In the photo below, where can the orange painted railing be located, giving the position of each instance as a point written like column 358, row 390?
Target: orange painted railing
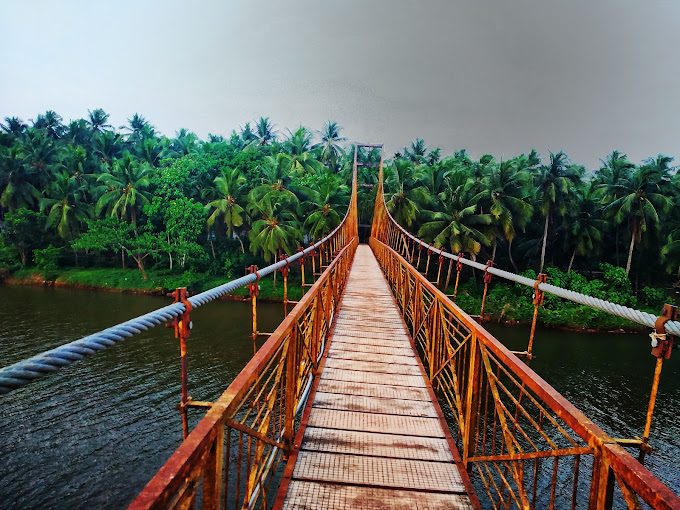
column 229, row 460
column 524, row 444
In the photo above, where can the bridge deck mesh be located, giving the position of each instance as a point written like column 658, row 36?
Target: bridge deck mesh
column 373, row 439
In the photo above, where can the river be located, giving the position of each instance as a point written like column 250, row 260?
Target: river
column 93, row 434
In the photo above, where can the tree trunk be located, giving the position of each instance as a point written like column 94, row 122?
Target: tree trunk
column 243, row 250
column 510, row 255
column 212, row 247
column 545, row 239
column 617, row 246
column 140, row 265
column 169, row 252
column 22, row 254
column 630, row 252
column 133, row 217
column 122, row 257
column 75, row 253
column 571, row 261
column 493, row 253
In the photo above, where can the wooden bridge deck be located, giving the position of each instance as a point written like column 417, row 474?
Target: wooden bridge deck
column 373, row 437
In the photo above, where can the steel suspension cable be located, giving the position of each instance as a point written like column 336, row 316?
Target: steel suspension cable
column 25, row 371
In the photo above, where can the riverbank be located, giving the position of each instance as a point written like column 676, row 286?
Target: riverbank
column 156, row 284
column 518, row 311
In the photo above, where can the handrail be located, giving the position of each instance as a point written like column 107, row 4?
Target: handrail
column 283, row 349
column 26, row 371
column 507, row 415
column 254, row 419
column 638, row 316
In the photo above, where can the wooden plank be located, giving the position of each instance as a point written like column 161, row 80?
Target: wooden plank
column 373, row 438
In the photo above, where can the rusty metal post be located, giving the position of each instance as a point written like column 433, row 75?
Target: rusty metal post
column 313, row 254
column 662, row 345
column 420, row 249
column 182, row 328
column 471, row 399
column 254, row 289
column 302, row 267
column 290, row 393
column 427, row 265
column 439, row 270
column 538, row 298
column 487, row 279
column 459, row 268
column 448, row 276
column 284, row 272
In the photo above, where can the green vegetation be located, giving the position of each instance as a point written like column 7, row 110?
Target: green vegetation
column 513, row 302
column 82, row 201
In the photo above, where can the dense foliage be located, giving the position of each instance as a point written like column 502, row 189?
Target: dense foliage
column 87, row 191
column 525, row 213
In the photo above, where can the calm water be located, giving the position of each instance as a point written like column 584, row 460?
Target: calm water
column 92, row 435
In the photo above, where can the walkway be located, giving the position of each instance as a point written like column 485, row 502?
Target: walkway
column 374, row 438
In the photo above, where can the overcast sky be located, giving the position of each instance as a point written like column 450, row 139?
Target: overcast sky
column 585, row 76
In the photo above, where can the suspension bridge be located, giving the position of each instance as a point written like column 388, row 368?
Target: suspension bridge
column 378, row 391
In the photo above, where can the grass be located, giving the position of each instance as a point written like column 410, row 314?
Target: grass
column 157, row 281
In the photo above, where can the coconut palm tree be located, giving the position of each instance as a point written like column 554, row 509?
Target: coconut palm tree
column 14, row 126
column 553, row 184
column 276, row 231
column 125, row 188
column 459, row 226
column 615, row 170
column 505, row 196
column 404, row 198
column 228, row 193
column 265, row 130
column 330, row 140
column 641, row 197
column 324, row 205
column 417, row 152
column 585, row 226
column 97, row 120
column 65, row 207
column 50, row 121
column 17, row 180
column 298, row 158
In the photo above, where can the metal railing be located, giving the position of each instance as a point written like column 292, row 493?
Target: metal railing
column 524, row 443
column 230, row 459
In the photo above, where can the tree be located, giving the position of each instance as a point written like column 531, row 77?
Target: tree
column 403, row 196
column 585, row 226
column 322, row 204
column 229, row 192
column 24, row 229
column 184, row 220
column 459, row 227
column 417, row 152
column 640, row 199
column 298, row 158
column 14, row 126
column 276, row 231
column 97, row 120
column 504, row 192
column 111, row 234
column 17, row 189
column 266, row 132
column 65, row 207
column 552, row 188
column 330, row 140
column 125, row 188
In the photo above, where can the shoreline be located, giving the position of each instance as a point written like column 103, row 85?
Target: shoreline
column 16, row 282
column 12, row 281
